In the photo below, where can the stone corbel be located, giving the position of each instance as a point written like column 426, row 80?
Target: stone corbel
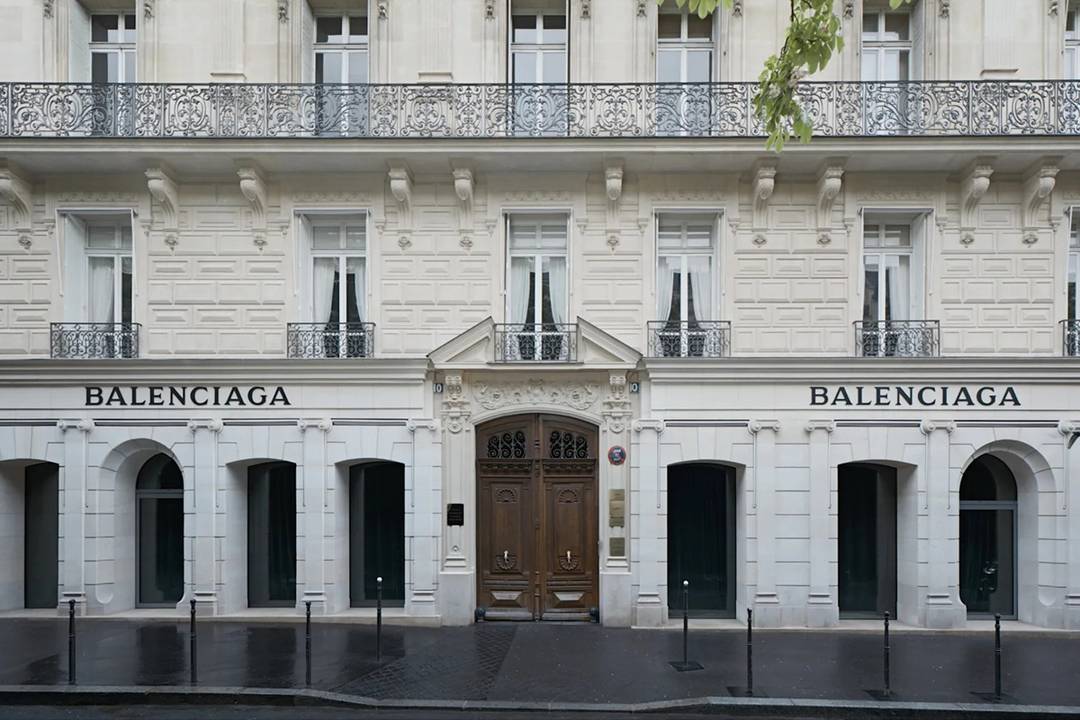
column 657, row 426
column 943, row 8
column 489, row 9
column 148, row 9
column 384, row 9
column 464, row 188
column 456, row 408
column 163, row 189
column 641, row 7
column 401, row 188
column 828, row 426
column 283, row 11
column 613, row 186
column 85, row 425
column 764, row 184
column 324, row 424
column 828, row 189
column 928, row 426
column 586, row 9
column 616, row 406
column 253, row 187
column 1052, row 7
column 48, row 7
column 214, row 425
column 972, row 190
column 1038, row 187
column 414, row 424
column 18, row 192
column 849, row 8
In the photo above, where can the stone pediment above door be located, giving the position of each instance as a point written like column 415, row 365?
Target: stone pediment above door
column 478, row 347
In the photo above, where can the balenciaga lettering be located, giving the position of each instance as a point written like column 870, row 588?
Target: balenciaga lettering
column 913, row 396
column 184, row 395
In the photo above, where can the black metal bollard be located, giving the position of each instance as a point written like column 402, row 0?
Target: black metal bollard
column 378, row 619
column 71, row 642
column 749, row 651
column 193, row 645
column 888, row 688
column 307, row 642
column 997, row 657
column 685, row 619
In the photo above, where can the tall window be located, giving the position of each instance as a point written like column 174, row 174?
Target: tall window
column 339, row 282
column 341, row 49
column 537, row 297
column 684, row 46
column 112, row 48
column 109, row 273
column 1072, row 44
column 886, row 46
column 686, row 248
column 1074, row 263
column 538, row 57
column 887, row 261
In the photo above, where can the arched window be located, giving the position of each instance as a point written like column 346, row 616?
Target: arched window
column 988, row 538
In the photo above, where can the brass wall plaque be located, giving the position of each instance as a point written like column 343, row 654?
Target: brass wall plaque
column 617, row 547
column 616, row 508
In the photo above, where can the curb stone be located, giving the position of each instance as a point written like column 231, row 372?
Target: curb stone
column 732, row 706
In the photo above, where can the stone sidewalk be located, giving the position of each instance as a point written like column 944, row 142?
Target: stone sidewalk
column 543, row 663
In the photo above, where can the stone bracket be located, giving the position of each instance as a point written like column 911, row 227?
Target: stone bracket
column 974, row 186
column 253, row 187
column 162, row 187
column 1038, row 188
column 401, row 186
column 18, row 192
column 465, row 188
column 829, row 183
column 764, row 183
column 828, row 426
column 613, row 187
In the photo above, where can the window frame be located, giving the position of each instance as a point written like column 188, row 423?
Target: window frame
column 342, row 49
column 342, row 255
column 881, row 253
column 538, row 256
column 880, row 47
column 104, row 47
column 1072, row 43
column 684, row 44
column 117, row 253
column 1072, row 265
column 539, row 48
column 712, row 254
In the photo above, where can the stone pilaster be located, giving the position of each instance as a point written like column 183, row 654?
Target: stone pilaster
column 201, row 511
column 941, row 606
column 822, row 609
column 766, row 601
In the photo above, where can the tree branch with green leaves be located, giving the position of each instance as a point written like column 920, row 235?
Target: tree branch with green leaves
column 814, row 34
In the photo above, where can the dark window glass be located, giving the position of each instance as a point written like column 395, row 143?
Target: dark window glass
column 103, row 28
column 358, row 28
column 328, row 29
column 524, row 28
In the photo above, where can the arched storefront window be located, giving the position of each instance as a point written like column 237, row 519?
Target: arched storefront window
column 701, row 538
column 988, row 538
column 159, row 502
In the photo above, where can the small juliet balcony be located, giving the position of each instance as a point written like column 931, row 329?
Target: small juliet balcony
column 542, row 342
column 693, row 338
column 330, row 340
column 1070, row 337
column 898, row 338
column 94, row 341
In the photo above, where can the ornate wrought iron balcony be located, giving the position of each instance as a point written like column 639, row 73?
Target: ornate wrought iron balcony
column 898, row 338
column 854, row 109
column 94, row 341
column 549, row 342
column 331, row 340
column 1070, row 337
column 698, row 338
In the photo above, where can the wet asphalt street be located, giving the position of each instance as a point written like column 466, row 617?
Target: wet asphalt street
column 542, row 663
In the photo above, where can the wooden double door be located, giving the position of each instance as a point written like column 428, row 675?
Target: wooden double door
column 537, row 512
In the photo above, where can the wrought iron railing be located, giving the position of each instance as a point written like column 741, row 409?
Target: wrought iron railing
column 838, row 109
column 695, row 338
column 94, row 341
column 1070, row 337
column 331, row 340
column 549, row 342
column 898, row 338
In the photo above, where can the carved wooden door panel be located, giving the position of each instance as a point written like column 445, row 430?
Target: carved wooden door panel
column 507, row 515
column 537, row 513
column 568, row 520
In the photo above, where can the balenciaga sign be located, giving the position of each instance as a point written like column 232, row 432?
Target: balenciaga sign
column 914, row 396
column 185, row 395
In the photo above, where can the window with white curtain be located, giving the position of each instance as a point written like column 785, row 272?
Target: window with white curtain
column 1072, row 43
column 888, row 255
column 339, row 282
column 686, row 249
column 112, row 47
column 108, row 273
column 1074, row 264
column 537, row 292
column 886, row 46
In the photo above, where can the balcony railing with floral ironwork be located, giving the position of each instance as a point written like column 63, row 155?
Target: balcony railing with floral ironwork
column 331, row 340
column 94, row 341
column 549, row 342
column 898, row 338
column 693, row 338
column 838, row 109
column 1070, row 337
